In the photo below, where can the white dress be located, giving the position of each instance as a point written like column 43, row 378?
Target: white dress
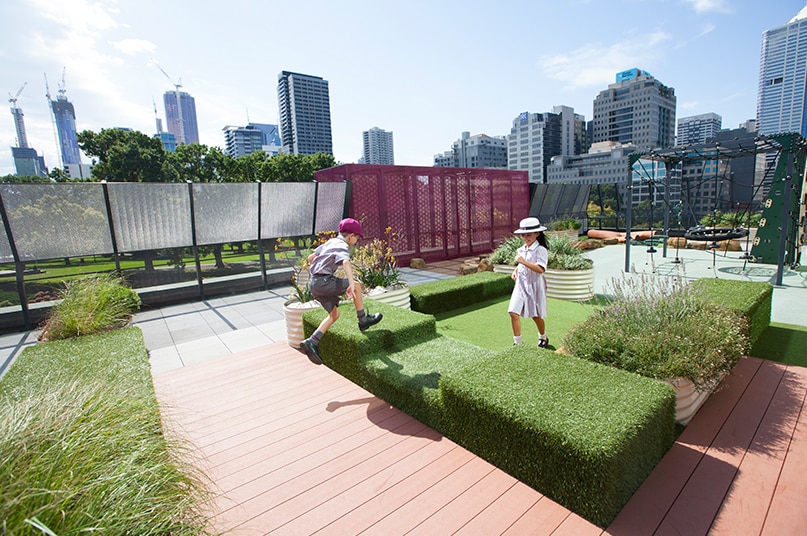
column 529, row 295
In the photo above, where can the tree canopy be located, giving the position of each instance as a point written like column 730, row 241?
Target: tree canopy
column 131, row 156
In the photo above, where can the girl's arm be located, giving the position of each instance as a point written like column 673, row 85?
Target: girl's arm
column 537, row 268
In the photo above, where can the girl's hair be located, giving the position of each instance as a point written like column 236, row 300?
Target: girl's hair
column 542, row 240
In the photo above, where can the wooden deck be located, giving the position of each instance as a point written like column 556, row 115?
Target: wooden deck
column 296, row 449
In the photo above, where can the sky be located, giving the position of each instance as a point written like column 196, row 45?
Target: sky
column 427, row 70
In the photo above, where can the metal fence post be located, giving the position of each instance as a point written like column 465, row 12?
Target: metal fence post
column 265, row 283
column 111, row 223
column 196, row 260
column 19, row 266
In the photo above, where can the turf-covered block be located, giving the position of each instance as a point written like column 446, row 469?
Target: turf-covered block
column 409, row 378
column 343, row 344
column 457, row 292
column 584, row 434
column 752, row 299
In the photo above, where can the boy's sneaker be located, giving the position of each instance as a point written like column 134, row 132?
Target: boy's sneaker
column 311, row 349
column 369, row 320
column 543, row 343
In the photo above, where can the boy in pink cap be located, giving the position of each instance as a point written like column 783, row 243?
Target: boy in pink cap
column 327, row 288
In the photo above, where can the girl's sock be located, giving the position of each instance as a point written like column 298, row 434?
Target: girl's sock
column 516, row 340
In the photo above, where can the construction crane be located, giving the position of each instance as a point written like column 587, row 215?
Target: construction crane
column 13, row 99
column 177, row 85
column 19, row 123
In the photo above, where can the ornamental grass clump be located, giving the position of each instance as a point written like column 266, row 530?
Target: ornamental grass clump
column 90, row 305
column 374, row 263
column 506, row 252
column 565, row 255
column 662, row 328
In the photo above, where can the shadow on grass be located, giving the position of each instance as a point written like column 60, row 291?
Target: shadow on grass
column 784, row 343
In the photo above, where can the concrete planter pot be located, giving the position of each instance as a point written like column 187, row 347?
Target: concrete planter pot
column 398, row 297
column 293, row 312
column 574, row 285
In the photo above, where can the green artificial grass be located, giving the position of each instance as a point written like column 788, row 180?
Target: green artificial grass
column 785, row 343
column 487, row 324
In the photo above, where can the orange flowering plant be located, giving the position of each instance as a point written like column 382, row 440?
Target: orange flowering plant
column 375, row 264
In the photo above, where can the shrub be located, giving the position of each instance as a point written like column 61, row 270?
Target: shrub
column 506, row 252
column 375, row 264
column 663, row 329
column 752, row 300
column 565, row 255
column 90, row 305
column 564, row 224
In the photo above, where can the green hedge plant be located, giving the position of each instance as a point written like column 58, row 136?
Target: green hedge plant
column 664, row 329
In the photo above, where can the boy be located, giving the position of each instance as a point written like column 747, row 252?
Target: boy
column 327, row 288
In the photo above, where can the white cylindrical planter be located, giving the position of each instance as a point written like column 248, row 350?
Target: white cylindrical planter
column 294, row 321
column 503, row 268
column 575, row 285
column 688, row 400
column 398, row 297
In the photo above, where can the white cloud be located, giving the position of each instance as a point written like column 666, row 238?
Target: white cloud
column 595, row 65
column 707, row 6
column 132, row 47
column 78, row 15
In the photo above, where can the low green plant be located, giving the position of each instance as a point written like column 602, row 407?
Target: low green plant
column 83, row 448
column 731, row 219
column 564, row 224
column 89, row 305
column 506, row 252
column 300, row 293
column 375, row 264
column 662, row 328
column 565, row 255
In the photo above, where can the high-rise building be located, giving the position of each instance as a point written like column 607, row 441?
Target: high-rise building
column 477, row 151
column 377, row 145
column 636, row 109
column 305, row 113
column 783, row 78
column 180, row 116
column 533, row 140
column 26, row 160
column 168, row 140
column 698, row 129
column 240, row 141
column 65, row 116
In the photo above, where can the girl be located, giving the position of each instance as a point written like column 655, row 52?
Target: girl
column 529, row 295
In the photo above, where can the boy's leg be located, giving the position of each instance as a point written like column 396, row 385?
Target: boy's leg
column 365, row 320
column 310, row 346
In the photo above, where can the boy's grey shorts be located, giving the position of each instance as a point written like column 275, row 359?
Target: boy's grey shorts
column 327, row 289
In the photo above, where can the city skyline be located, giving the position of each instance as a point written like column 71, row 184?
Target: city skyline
column 424, row 85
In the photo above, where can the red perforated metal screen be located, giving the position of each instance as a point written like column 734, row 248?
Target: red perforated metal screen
column 440, row 213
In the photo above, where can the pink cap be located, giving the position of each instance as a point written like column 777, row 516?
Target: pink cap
column 350, row 226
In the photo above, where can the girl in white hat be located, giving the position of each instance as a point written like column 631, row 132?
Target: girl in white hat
column 529, row 295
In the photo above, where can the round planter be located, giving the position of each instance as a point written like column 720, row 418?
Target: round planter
column 294, row 321
column 688, row 400
column 398, row 297
column 575, row 285
column 503, row 268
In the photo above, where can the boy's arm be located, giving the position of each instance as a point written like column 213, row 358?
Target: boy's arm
column 311, row 258
column 351, row 283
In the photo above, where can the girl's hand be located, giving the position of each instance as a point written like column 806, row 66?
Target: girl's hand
column 519, row 259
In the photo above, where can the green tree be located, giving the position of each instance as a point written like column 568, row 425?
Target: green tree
column 23, row 179
column 124, row 155
column 196, row 162
column 59, row 175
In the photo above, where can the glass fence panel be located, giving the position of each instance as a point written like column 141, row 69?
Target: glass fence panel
column 150, row 216
column 330, row 205
column 5, row 247
column 225, row 212
column 57, row 220
column 287, row 209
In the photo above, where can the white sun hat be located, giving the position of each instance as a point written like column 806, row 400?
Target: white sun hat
column 529, row 225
